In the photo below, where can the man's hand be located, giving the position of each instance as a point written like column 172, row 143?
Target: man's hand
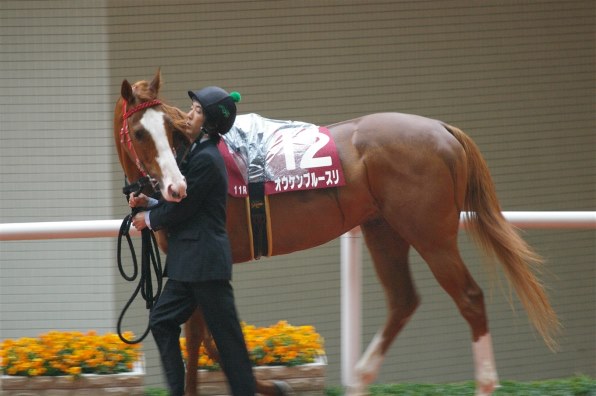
column 139, row 201
column 138, row 221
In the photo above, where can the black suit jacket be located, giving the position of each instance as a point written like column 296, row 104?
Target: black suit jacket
column 198, row 244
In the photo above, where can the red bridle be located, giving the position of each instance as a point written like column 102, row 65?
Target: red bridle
column 125, row 138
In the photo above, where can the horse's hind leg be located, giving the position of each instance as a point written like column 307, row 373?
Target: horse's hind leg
column 390, row 256
column 431, row 227
column 443, row 258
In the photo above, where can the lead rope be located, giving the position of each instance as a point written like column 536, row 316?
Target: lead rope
column 149, row 258
column 149, row 249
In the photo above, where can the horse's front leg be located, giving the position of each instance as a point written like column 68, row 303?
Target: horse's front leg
column 195, row 333
column 162, row 240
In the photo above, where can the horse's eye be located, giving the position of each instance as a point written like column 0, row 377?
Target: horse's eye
column 140, row 134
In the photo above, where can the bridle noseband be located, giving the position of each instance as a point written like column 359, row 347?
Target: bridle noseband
column 125, row 138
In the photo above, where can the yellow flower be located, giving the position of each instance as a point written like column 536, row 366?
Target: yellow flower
column 67, row 353
column 74, row 371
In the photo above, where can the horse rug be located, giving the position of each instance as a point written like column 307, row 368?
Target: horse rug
column 284, row 155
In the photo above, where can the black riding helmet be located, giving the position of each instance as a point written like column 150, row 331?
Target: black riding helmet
column 219, row 108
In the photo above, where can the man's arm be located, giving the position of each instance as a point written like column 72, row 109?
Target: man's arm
column 200, row 178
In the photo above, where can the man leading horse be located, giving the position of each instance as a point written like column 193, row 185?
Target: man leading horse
column 199, row 262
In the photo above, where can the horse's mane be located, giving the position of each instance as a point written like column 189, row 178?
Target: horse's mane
column 175, row 116
column 143, row 93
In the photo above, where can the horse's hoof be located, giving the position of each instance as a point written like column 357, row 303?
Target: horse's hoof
column 283, row 388
column 486, row 389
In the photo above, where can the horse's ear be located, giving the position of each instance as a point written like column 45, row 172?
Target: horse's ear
column 126, row 91
column 156, row 83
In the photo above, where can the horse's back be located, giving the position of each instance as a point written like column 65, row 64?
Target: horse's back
column 392, row 120
column 410, row 164
column 407, row 138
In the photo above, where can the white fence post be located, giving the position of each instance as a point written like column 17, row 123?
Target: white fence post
column 351, row 310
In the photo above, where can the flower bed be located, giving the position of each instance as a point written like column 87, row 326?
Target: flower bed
column 71, row 362
column 67, row 353
column 293, row 354
column 305, row 380
column 279, row 345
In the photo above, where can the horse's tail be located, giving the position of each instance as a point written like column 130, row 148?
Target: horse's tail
column 500, row 239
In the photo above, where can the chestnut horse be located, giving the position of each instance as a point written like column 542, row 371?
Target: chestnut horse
column 408, row 178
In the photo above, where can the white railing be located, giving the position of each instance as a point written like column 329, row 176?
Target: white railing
column 351, row 258
column 110, row 228
column 61, row 230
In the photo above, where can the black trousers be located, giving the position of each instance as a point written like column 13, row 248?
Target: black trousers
column 216, row 299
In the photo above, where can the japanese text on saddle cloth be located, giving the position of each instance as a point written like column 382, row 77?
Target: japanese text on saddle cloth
column 266, row 157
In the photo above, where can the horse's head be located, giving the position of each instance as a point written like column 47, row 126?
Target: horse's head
column 148, row 133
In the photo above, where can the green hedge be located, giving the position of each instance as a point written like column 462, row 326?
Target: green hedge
column 574, row 386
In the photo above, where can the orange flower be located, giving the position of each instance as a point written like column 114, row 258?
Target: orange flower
column 67, row 353
column 74, row 371
column 280, row 344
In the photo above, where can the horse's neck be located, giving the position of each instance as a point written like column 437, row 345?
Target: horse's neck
column 131, row 172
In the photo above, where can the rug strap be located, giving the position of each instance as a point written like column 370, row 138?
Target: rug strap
column 258, row 219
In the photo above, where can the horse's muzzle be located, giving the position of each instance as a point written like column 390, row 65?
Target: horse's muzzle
column 175, row 192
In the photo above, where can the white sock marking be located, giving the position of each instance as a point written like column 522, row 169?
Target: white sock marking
column 484, row 361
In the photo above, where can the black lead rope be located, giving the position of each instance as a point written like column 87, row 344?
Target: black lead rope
column 149, row 258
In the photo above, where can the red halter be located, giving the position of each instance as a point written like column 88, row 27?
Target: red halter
column 125, row 138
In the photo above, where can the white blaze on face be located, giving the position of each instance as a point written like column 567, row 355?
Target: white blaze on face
column 173, row 184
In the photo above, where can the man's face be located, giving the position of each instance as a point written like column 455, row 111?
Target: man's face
column 195, row 121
